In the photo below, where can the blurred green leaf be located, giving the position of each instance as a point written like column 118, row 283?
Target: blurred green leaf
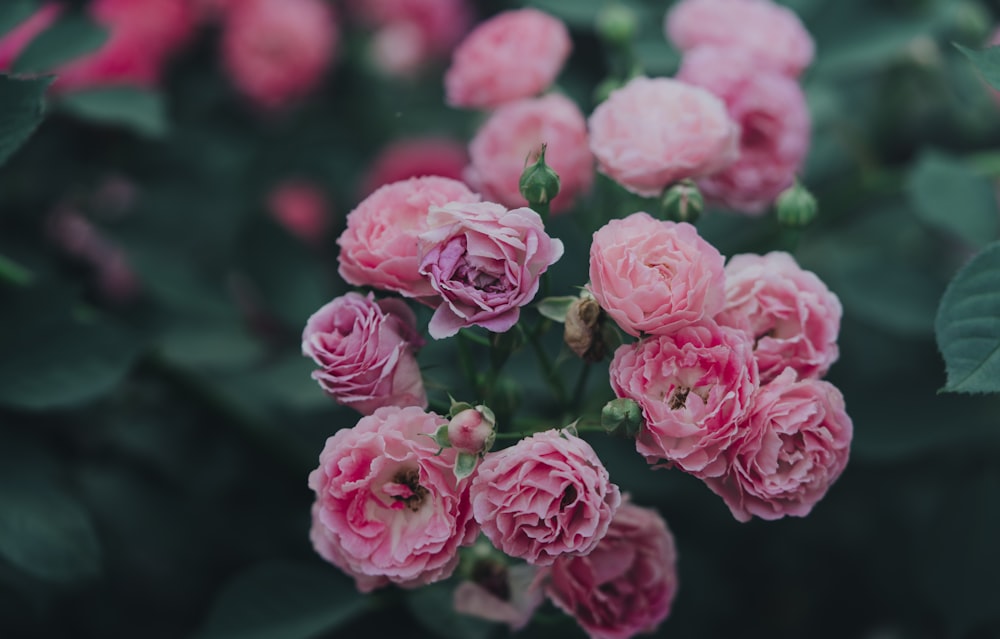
column 14, row 12
column 949, row 195
column 432, row 605
column 283, row 601
column 210, row 346
column 968, row 325
column 21, row 111
column 580, row 13
column 140, row 110
column 986, row 61
column 71, row 37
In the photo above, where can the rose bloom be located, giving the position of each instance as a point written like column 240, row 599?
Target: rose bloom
column 14, row 41
column 302, row 208
column 769, row 35
column 513, row 136
column 774, row 127
column 415, row 157
column 790, row 314
column 365, row 351
column 627, row 584
column 514, row 54
column 501, row 593
column 654, row 276
column 484, row 261
column 277, row 51
column 655, row 131
column 545, row 496
column 791, row 449
column 379, row 246
column 694, row 386
column 388, row 506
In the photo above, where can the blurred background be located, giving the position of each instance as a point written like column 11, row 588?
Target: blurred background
column 170, row 225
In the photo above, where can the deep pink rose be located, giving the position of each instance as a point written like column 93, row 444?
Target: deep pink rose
column 791, row 449
column 774, row 127
column 546, row 496
column 406, row 158
column 379, row 246
column 655, row 131
column 388, row 506
column 653, row 276
column 626, row 585
column 365, row 351
column 484, row 261
column 302, row 208
column 514, row 54
column 770, row 36
column 14, row 41
column 513, row 136
column 694, row 386
column 790, row 314
column 277, row 51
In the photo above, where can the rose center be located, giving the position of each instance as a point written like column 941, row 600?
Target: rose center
column 679, row 398
column 406, row 489
column 569, row 496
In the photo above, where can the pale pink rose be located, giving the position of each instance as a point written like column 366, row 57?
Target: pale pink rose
column 791, row 315
column 654, row 276
column 655, row 131
column 791, row 449
column 547, row 495
column 769, row 35
column 513, row 136
column 694, row 386
column 388, row 506
column 365, row 351
column 379, row 246
column 514, row 54
column 409, row 34
column 484, row 262
column 627, row 584
column 277, row 51
column 415, row 157
column 14, row 41
column 302, row 208
column 508, row 594
column 774, row 127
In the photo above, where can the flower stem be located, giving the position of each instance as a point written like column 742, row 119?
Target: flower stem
column 548, row 369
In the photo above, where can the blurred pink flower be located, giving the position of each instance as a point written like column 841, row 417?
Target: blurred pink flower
column 520, row 595
column 406, row 158
column 81, row 240
column 655, row 131
column 513, row 135
column 302, row 208
column 388, row 506
column 514, row 54
column 14, row 41
column 792, row 447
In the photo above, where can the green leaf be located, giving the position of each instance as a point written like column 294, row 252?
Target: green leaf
column 283, row 600
column 21, row 111
column 210, row 346
column 432, row 606
column 987, row 62
column 555, row 308
column 14, row 12
column 968, row 325
column 141, row 110
column 465, row 465
column 948, row 194
column 71, row 37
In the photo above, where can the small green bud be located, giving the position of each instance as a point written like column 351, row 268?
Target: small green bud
column 796, row 207
column 539, row 184
column 617, row 24
column 622, row 416
column 970, row 21
column 682, row 202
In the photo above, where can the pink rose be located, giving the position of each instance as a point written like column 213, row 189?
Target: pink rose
column 546, row 496
column 513, row 136
column 694, row 386
column 277, row 51
column 791, row 449
column 514, row 54
column 365, row 351
column 790, row 314
column 627, row 584
column 472, row 431
column 415, row 157
column 379, row 246
column 768, row 35
column 507, row 594
column 774, row 127
column 655, row 131
column 388, row 506
column 484, row 261
column 302, row 208
column 14, row 41
column 653, row 276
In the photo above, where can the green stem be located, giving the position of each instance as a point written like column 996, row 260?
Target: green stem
column 523, row 434
column 581, row 385
column 548, row 369
column 465, row 361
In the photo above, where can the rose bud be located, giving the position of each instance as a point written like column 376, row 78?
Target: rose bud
column 682, row 202
column 472, row 431
column 539, row 184
column 622, row 416
column 796, row 207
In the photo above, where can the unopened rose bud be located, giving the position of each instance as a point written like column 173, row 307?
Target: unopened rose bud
column 622, row 416
column 584, row 332
column 539, row 184
column 472, row 430
column 796, row 207
column 682, row 202
column 970, row 21
column 617, row 24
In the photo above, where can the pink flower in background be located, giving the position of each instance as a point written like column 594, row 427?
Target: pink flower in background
column 388, row 506
column 514, row 54
column 379, row 246
column 277, row 51
column 365, row 351
column 510, row 595
column 513, row 135
column 546, row 496
column 792, row 447
column 81, row 240
column 655, row 131
column 14, row 41
column 774, row 127
column 694, row 386
column 484, row 262
column 415, row 157
column 770, row 36
column 653, row 276
column 788, row 312
column 627, row 584
column 302, row 208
